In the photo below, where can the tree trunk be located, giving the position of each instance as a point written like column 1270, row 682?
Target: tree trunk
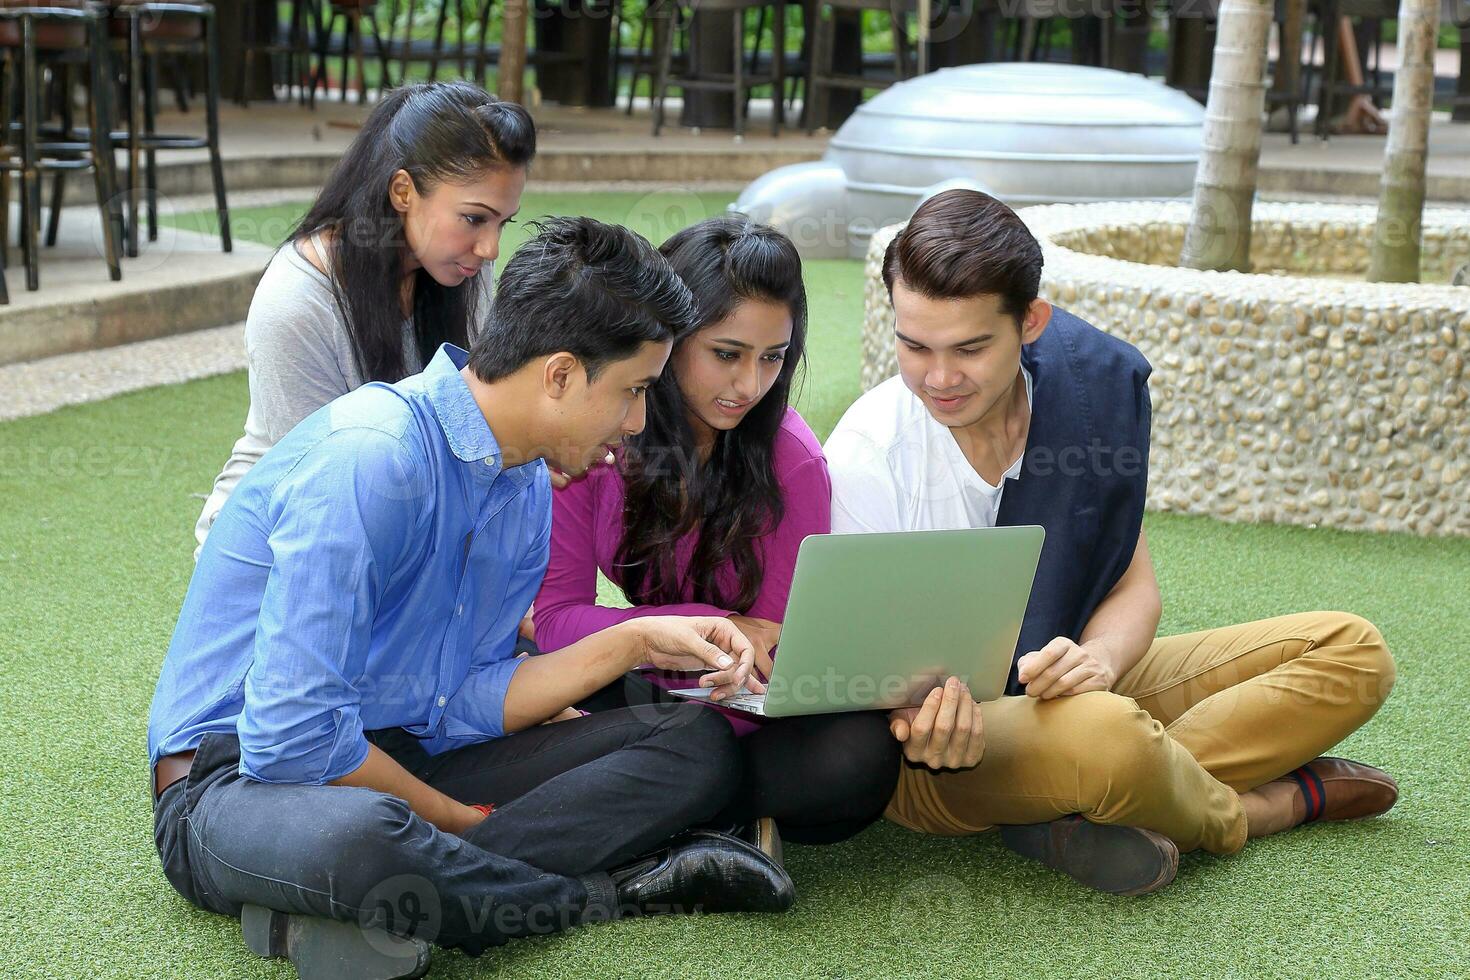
column 511, row 77
column 1219, row 233
column 1395, row 255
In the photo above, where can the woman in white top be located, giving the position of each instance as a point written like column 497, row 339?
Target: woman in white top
column 394, row 258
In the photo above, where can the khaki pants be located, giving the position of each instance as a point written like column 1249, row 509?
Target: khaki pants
column 1203, row 716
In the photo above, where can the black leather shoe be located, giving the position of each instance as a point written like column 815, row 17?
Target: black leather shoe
column 703, row 872
column 332, row 949
column 1108, row 857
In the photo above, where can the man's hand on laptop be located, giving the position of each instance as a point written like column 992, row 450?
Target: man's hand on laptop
column 1063, row 667
column 763, row 635
column 700, row 643
column 945, row 732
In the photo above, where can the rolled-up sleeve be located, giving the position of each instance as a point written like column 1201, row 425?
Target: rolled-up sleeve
column 477, row 709
column 343, row 518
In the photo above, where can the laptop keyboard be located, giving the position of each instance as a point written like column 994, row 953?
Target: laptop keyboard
column 753, row 703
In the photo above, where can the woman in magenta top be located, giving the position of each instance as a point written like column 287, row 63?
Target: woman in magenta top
column 703, row 515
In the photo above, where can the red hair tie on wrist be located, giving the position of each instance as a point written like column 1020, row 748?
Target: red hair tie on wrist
column 485, row 808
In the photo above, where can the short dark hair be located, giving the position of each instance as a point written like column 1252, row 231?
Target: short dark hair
column 594, row 290
column 962, row 243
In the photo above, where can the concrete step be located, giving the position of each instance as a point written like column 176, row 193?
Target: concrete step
column 182, row 282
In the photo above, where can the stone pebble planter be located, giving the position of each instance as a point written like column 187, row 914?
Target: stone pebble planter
column 1284, row 398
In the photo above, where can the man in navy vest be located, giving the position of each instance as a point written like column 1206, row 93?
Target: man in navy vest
column 1115, row 748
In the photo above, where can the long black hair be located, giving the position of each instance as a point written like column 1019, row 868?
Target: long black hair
column 437, row 131
column 732, row 498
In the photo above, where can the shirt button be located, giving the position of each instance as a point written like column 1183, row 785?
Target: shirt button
column 442, row 700
column 459, row 609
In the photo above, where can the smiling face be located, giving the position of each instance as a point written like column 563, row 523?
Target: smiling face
column 589, row 420
column 961, row 356
column 726, row 368
column 455, row 228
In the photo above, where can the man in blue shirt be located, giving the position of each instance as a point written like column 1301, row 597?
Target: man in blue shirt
column 348, row 754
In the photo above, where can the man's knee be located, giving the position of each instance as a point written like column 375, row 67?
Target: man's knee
column 369, row 839
column 1372, row 656
column 1358, row 645
column 1107, row 737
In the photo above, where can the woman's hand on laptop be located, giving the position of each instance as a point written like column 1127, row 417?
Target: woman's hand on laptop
column 945, row 732
column 700, row 643
column 763, row 635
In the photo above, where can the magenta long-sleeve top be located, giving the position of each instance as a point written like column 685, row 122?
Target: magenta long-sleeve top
column 587, row 531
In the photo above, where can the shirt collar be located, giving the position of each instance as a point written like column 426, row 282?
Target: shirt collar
column 463, row 423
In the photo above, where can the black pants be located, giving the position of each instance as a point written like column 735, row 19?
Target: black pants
column 572, row 800
column 822, row 777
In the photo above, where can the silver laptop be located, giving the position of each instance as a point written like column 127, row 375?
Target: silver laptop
column 877, row 621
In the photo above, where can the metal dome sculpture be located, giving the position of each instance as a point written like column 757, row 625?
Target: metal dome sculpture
column 1028, row 133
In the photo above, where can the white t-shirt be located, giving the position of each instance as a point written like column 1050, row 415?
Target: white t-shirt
column 895, row 468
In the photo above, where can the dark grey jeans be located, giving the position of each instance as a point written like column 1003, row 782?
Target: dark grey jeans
column 572, row 800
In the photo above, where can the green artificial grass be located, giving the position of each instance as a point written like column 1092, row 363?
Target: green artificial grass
column 95, row 543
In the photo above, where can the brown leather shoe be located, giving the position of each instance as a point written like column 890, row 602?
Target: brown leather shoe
column 1340, row 789
column 1108, row 857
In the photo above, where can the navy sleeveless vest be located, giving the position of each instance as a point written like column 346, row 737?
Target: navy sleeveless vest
column 1083, row 476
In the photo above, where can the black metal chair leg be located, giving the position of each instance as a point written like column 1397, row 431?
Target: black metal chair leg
column 324, row 21
column 359, row 57
column 345, row 67
column 778, row 68
column 385, row 74
column 438, row 41
column 30, row 178
column 211, row 119
column 99, row 119
column 6, row 118
column 459, row 50
column 661, row 81
column 406, row 57
column 638, row 66
column 150, row 156
column 484, row 39
column 738, row 90
column 247, row 57
column 53, row 219
column 135, row 128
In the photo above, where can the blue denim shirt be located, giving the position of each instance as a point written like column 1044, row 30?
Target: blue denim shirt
column 369, row 572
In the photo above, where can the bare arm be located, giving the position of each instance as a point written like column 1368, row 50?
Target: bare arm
column 1114, row 639
column 544, row 685
column 1126, row 622
column 380, row 771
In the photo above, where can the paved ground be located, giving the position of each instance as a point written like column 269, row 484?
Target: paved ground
column 37, row 387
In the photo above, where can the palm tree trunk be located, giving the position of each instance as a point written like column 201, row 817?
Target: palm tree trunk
column 1395, row 256
column 1219, row 233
